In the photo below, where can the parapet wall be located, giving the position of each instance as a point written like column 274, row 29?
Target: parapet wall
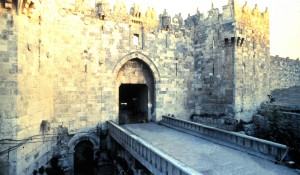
column 284, row 72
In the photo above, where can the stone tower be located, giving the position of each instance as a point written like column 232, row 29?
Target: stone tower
column 231, row 59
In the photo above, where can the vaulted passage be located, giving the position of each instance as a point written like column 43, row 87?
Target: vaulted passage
column 133, row 101
column 84, row 158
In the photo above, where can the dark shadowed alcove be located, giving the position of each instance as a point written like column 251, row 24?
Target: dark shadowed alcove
column 84, row 158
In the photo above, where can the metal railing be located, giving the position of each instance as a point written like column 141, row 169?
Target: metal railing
column 252, row 143
column 156, row 161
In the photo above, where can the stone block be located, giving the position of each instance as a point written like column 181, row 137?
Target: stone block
column 4, row 91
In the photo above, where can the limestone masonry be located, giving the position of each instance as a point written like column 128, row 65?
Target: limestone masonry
column 66, row 64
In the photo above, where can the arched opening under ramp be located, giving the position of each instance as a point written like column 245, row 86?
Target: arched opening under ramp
column 84, row 158
column 82, row 153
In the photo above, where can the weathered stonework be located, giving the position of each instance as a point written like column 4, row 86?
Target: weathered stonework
column 285, row 72
column 62, row 63
column 9, row 123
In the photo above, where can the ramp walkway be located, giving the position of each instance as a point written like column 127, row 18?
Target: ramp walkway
column 186, row 153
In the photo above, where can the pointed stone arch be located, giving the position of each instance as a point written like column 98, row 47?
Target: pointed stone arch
column 151, row 82
column 137, row 55
column 77, row 138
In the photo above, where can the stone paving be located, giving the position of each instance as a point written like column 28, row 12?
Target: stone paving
column 205, row 156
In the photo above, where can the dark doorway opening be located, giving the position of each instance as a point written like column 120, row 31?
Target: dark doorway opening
column 133, row 103
column 84, row 158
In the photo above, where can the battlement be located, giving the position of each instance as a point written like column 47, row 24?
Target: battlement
column 246, row 12
column 284, row 72
column 119, row 13
column 286, row 60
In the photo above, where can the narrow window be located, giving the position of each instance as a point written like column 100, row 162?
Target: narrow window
column 238, row 41
column 226, row 42
column 213, row 67
column 232, row 40
column 254, row 45
column 242, row 42
column 167, row 41
column 135, row 39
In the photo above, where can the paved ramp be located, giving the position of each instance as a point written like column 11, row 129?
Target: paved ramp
column 203, row 155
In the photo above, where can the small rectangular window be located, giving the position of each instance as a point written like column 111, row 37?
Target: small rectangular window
column 238, row 41
column 136, row 39
column 242, row 41
column 226, row 42
column 232, row 40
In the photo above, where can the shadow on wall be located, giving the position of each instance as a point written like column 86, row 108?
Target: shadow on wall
column 53, row 170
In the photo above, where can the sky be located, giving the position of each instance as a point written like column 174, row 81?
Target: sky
column 284, row 18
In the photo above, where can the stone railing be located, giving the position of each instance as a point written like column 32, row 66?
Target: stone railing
column 156, row 161
column 250, row 144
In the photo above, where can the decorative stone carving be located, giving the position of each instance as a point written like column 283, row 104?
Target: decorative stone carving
column 150, row 21
column 177, row 19
column 255, row 11
column 120, row 7
column 103, row 9
column 148, row 14
column 153, row 14
column 165, row 21
column 135, row 11
column 189, row 23
column 27, row 7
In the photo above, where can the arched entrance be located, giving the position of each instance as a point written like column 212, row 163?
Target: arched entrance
column 84, row 158
column 82, row 150
column 136, row 87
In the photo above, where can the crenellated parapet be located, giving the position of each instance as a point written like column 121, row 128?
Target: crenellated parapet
column 280, row 61
column 119, row 14
column 284, row 72
column 254, row 20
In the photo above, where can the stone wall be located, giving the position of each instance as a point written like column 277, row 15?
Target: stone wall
column 88, row 58
column 8, row 88
column 62, row 66
column 35, row 85
column 284, row 72
column 27, row 85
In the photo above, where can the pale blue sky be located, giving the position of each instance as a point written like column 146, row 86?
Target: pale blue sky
column 284, row 18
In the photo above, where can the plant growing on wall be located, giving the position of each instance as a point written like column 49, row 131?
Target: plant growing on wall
column 281, row 134
column 45, row 127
